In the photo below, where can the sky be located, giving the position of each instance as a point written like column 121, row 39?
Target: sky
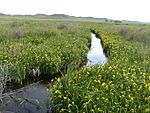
column 135, row 10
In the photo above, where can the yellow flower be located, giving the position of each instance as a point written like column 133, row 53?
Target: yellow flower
column 113, row 76
column 65, row 98
column 62, row 110
column 103, row 84
column 69, row 105
column 130, row 97
column 58, row 79
column 106, row 100
column 106, row 87
column 99, row 81
column 92, row 110
column 57, row 91
column 72, row 103
column 147, row 110
column 100, row 110
column 60, row 96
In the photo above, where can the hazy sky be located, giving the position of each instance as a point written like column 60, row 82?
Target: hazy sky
column 138, row 10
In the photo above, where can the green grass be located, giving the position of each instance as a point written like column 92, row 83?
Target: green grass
column 122, row 85
column 44, row 44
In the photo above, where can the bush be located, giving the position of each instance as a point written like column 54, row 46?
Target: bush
column 17, row 33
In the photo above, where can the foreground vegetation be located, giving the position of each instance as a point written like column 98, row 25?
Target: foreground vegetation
column 122, row 85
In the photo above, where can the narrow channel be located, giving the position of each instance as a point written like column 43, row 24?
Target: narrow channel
column 96, row 56
column 30, row 98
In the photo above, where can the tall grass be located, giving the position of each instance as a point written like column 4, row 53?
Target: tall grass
column 122, row 85
column 31, row 44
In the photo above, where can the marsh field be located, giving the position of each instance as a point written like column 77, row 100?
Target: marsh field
column 35, row 48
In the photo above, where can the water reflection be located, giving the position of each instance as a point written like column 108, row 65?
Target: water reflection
column 33, row 98
column 96, row 55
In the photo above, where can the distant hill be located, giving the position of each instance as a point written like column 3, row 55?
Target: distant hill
column 1, row 14
column 68, row 17
column 63, row 16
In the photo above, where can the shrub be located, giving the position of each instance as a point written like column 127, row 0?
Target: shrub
column 17, row 33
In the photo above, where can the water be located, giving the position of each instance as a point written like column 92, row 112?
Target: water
column 96, row 55
column 31, row 98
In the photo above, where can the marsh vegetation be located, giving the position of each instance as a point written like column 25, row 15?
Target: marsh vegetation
column 37, row 48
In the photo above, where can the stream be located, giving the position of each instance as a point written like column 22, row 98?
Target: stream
column 30, row 97
column 33, row 96
column 96, row 56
